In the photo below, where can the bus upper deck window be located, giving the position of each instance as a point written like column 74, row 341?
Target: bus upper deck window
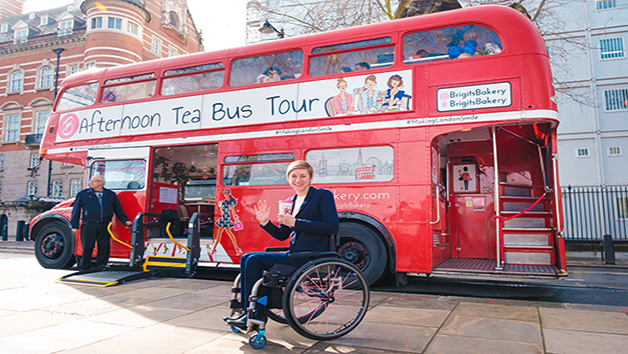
column 266, row 68
column 450, row 43
column 129, row 88
column 352, row 56
column 78, row 96
column 192, row 79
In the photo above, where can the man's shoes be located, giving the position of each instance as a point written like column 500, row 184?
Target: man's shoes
column 237, row 317
column 239, row 322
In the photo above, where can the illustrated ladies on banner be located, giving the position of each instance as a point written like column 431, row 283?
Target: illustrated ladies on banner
column 368, row 98
column 225, row 224
column 394, row 94
column 343, row 102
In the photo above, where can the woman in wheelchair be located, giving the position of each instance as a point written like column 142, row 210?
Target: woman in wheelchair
column 310, row 225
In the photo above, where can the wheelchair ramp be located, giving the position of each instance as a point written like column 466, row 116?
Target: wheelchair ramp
column 103, row 278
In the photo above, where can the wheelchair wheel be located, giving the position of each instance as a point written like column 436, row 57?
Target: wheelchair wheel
column 277, row 315
column 326, row 299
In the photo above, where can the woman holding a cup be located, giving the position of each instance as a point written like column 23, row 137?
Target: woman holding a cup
column 311, row 220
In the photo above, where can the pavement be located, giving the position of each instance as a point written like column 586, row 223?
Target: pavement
column 169, row 315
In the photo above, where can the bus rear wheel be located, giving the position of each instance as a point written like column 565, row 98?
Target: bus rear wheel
column 54, row 246
column 364, row 248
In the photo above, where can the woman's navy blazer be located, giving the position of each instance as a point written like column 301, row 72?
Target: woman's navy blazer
column 315, row 222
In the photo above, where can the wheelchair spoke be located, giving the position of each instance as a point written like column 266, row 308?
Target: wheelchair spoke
column 327, row 300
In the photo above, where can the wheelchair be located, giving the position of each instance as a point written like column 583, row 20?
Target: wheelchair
column 323, row 299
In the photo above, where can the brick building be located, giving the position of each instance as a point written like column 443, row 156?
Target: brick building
column 34, row 48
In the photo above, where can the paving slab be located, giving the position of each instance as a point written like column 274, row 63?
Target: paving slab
column 585, row 321
column 558, row 341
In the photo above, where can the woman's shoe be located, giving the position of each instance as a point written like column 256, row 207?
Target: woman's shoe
column 237, row 317
column 239, row 322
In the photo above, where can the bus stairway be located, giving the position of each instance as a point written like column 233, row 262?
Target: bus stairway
column 152, row 266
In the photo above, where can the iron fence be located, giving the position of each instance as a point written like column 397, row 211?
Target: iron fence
column 592, row 212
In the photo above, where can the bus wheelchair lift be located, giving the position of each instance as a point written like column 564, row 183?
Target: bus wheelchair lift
column 151, row 266
column 323, row 299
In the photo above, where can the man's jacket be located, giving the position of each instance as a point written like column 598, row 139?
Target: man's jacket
column 88, row 208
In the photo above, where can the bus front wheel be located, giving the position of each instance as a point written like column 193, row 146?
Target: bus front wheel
column 54, row 246
column 364, row 248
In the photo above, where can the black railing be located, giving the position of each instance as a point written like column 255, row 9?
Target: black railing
column 592, row 212
column 33, row 139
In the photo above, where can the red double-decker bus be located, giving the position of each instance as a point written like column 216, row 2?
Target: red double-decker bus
column 436, row 134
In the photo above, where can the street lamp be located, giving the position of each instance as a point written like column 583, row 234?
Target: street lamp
column 267, row 28
column 58, row 52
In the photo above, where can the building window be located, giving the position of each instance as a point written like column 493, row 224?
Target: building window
column 4, row 28
column 57, row 189
column 614, row 151
column 43, row 21
column 1, row 162
column 90, row 65
column 172, row 52
column 616, row 100
column 605, row 4
column 73, row 69
column 96, row 22
column 34, row 160
column 13, row 127
column 16, row 82
column 31, row 188
column 156, row 46
column 612, row 48
column 132, row 27
column 20, row 36
column 40, row 122
column 582, row 152
column 45, row 77
column 65, row 28
column 114, row 23
column 75, row 187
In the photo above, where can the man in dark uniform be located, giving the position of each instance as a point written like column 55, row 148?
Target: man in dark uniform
column 95, row 206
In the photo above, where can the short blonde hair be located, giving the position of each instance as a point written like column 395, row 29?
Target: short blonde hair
column 300, row 164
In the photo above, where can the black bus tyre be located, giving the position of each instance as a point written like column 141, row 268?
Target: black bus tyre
column 54, row 246
column 362, row 246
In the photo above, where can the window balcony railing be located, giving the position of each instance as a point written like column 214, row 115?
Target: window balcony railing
column 33, row 139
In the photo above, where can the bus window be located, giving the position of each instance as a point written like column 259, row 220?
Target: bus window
column 281, row 156
column 340, row 60
column 353, row 165
column 78, row 96
column 129, row 88
column 192, row 79
column 450, row 43
column 255, row 174
column 121, row 175
column 266, row 68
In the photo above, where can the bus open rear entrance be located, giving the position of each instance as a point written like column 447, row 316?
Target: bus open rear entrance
column 497, row 202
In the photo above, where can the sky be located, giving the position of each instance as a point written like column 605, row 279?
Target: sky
column 227, row 18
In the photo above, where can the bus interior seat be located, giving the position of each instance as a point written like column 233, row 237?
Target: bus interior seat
column 133, row 185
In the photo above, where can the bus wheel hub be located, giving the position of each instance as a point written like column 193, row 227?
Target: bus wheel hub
column 52, row 246
column 354, row 253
